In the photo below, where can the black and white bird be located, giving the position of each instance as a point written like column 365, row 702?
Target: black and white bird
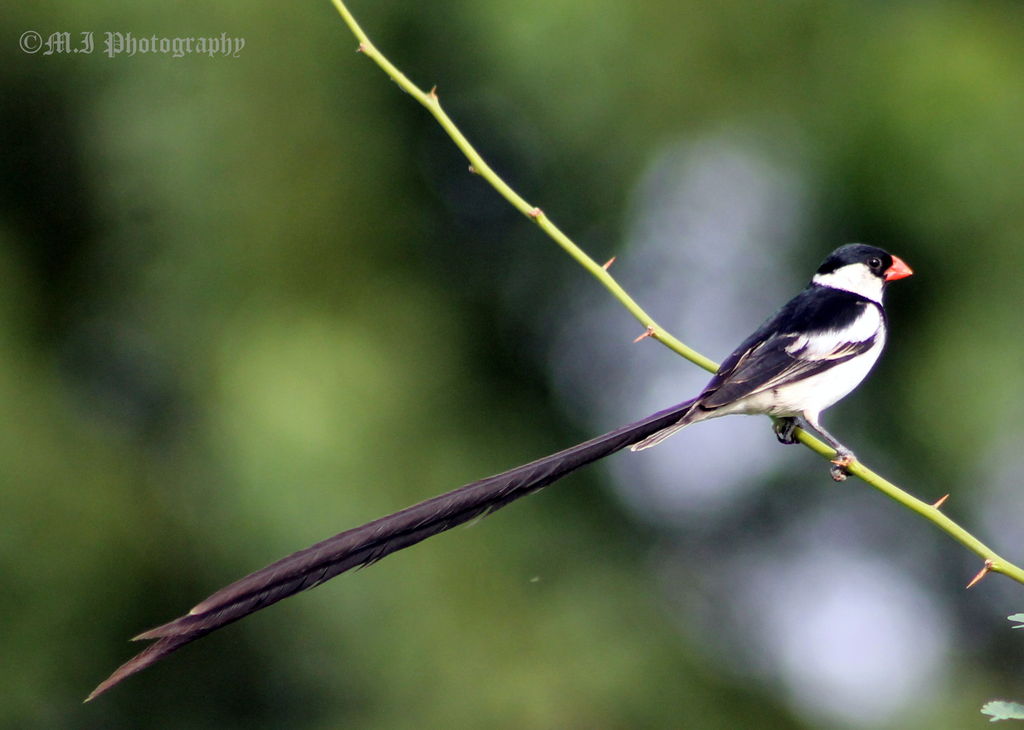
column 811, row 353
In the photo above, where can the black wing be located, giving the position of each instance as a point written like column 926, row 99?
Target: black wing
column 802, row 339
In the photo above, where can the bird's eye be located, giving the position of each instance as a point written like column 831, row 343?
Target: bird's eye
column 874, row 262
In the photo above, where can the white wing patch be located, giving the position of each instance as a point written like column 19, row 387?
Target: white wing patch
column 833, row 344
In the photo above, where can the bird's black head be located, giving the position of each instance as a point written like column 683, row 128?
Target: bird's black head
column 860, row 268
column 873, row 257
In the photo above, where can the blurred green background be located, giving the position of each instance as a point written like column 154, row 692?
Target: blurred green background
column 248, row 302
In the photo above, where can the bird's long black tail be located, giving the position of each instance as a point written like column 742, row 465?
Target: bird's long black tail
column 369, row 543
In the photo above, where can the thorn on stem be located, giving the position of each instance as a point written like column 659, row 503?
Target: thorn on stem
column 473, row 170
column 608, row 264
column 362, row 48
column 981, row 574
column 433, row 93
column 535, row 213
column 940, row 501
column 649, row 332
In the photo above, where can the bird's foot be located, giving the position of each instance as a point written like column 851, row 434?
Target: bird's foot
column 840, row 465
column 785, row 430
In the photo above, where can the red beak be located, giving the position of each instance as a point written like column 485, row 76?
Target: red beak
column 898, row 270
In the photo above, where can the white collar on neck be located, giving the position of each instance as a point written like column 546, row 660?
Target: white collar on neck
column 856, row 278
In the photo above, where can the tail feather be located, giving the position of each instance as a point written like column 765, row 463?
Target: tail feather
column 689, row 416
column 375, row 540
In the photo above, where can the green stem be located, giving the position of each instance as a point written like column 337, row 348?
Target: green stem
column 430, row 100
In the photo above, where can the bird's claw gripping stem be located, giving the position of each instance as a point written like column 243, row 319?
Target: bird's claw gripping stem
column 840, row 465
column 785, row 430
